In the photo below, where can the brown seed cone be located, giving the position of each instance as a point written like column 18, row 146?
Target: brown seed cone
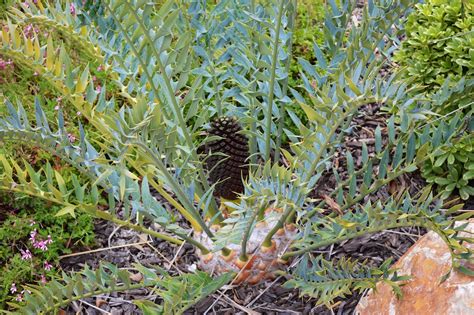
column 227, row 157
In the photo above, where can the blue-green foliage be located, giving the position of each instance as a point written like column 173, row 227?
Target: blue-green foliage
column 180, row 63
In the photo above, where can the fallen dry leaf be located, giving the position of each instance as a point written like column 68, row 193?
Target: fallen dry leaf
column 137, row 277
column 333, row 204
column 100, row 302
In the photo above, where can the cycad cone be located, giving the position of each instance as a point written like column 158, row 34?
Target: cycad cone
column 262, row 261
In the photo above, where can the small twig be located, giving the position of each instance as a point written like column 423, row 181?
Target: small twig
column 240, row 307
column 395, row 251
column 102, row 249
column 274, row 281
column 263, row 292
column 330, row 251
column 402, row 233
column 114, row 300
column 95, row 307
column 177, row 252
column 109, row 240
column 164, row 257
column 278, row 310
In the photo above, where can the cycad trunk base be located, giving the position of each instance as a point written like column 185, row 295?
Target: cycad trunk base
column 262, row 262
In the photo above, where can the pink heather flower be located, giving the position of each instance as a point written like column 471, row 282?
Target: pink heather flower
column 41, row 245
column 98, row 88
column 57, row 107
column 100, row 68
column 71, row 139
column 30, row 30
column 49, row 240
column 47, row 266
column 5, row 64
column 35, row 74
column 78, row 113
column 26, row 255
column 43, row 279
column 33, row 236
column 72, row 8
column 94, row 78
column 19, row 298
column 13, row 288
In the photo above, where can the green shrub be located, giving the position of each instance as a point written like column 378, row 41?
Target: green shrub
column 308, row 30
column 440, row 43
column 309, row 19
column 453, row 169
column 438, row 54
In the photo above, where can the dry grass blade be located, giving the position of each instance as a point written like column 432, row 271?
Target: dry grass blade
column 333, row 204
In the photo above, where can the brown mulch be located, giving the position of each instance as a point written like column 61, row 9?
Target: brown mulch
column 266, row 298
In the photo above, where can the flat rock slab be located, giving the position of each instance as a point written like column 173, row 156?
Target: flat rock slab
column 426, row 261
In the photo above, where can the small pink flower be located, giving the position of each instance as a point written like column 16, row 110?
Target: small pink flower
column 100, row 68
column 30, row 30
column 71, row 139
column 32, row 222
column 26, row 255
column 41, row 245
column 6, row 65
column 49, row 240
column 13, row 288
column 19, row 298
column 35, row 74
column 33, row 236
column 98, row 88
column 43, row 279
column 47, row 266
column 78, row 114
column 72, row 8
column 57, row 107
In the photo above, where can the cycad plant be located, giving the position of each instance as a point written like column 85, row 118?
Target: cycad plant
column 192, row 108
